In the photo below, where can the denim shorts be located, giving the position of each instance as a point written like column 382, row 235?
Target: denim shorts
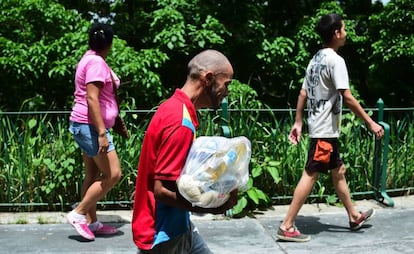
column 86, row 137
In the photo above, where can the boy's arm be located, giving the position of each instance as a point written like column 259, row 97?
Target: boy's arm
column 355, row 107
column 296, row 132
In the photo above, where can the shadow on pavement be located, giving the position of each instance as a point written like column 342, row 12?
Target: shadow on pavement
column 312, row 225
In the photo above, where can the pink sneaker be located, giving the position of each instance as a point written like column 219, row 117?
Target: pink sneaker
column 105, row 230
column 81, row 227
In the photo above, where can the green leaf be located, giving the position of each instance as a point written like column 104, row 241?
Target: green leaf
column 256, row 171
column 274, row 163
column 239, row 207
column 32, row 123
column 331, row 199
column 253, row 195
column 274, row 173
column 36, row 162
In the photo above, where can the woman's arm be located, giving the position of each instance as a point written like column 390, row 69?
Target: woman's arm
column 92, row 95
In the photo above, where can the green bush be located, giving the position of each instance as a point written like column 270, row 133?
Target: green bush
column 41, row 165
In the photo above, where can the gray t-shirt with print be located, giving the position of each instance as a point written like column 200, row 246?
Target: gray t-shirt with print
column 325, row 75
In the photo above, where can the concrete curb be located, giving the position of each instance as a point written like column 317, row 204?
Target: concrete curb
column 124, row 216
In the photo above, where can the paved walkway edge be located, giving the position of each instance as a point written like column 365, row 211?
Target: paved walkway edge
column 124, row 216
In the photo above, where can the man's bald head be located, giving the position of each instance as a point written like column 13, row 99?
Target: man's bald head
column 207, row 60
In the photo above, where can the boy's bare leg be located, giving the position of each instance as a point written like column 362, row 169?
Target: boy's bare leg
column 341, row 187
column 300, row 195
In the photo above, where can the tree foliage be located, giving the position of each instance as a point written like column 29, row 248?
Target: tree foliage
column 268, row 42
column 41, row 42
column 392, row 59
column 35, row 45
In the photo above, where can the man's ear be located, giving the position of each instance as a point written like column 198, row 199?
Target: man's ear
column 209, row 77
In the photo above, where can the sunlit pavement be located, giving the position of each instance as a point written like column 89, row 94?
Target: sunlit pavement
column 389, row 231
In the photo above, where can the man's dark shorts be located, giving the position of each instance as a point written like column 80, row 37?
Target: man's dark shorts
column 323, row 155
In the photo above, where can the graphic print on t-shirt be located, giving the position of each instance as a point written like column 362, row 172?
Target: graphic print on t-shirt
column 313, row 79
column 315, row 93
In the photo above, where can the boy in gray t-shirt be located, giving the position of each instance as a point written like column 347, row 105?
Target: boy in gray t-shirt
column 325, row 88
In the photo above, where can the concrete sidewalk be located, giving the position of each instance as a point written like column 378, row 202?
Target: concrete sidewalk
column 389, row 231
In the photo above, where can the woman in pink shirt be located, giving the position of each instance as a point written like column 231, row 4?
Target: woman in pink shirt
column 93, row 113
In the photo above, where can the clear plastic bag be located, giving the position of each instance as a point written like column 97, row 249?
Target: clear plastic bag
column 214, row 167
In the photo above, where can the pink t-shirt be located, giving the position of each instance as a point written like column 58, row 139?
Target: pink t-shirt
column 92, row 68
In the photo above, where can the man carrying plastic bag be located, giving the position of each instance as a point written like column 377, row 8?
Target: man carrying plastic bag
column 161, row 216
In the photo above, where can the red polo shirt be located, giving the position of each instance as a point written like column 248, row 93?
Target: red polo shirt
column 164, row 151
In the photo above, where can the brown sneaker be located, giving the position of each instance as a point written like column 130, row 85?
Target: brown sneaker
column 365, row 216
column 294, row 236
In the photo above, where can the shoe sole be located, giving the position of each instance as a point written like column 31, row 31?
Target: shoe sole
column 292, row 239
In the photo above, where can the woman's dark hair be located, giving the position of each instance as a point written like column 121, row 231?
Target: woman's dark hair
column 327, row 26
column 100, row 37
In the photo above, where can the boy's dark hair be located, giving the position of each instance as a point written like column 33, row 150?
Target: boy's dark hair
column 327, row 26
column 100, row 37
